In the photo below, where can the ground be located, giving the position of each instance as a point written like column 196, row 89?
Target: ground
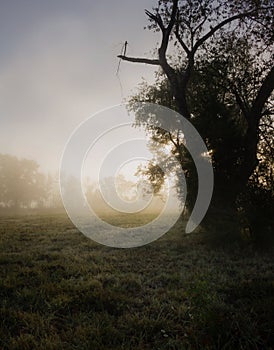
column 61, row 290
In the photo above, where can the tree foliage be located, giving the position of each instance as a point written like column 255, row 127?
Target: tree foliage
column 21, row 183
column 217, row 69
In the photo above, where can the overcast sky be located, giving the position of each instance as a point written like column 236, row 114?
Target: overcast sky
column 58, row 66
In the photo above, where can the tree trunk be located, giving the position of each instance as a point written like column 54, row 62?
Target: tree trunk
column 222, row 220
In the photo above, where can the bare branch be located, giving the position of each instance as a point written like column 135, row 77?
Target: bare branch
column 199, row 25
column 173, row 16
column 162, row 61
column 165, row 37
column 140, row 60
column 163, row 48
column 156, row 18
column 222, row 24
column 267, row 126
column 164, row 43
column 178, row 37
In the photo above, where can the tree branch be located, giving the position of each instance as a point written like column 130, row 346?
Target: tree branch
column 169, row 71
column 252, row 134
column 268, row 126
column 200, row 25
column 140, row 60
column 240, row 102
column 171, row 139
column 167, row 31
column 262, row 96
column 171, row 74
column 178, row 37
column 264, row 138
column 222, row 24
column 177, row 145
column 156, row 18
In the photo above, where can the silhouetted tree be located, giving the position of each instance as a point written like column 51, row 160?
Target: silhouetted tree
column 221, row 78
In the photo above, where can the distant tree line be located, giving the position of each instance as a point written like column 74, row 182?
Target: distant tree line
column 24, row 186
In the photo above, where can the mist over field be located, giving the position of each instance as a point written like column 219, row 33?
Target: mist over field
column 136, row 175
column 56, row 72
column 25, row 189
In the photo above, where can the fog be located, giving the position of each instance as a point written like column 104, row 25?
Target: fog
column 25, row 189
column 58, row 67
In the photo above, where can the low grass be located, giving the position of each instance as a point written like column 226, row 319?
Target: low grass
column 60, row 290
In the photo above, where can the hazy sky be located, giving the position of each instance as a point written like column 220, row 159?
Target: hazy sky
column 58, row 66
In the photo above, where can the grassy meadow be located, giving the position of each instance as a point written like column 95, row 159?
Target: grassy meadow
column 60, row 290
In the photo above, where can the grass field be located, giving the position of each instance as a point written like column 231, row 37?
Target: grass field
column 60, row 290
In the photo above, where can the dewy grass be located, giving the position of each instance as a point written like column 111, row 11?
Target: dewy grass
column 60, row 290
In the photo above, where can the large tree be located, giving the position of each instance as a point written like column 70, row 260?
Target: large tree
column 217, row 62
